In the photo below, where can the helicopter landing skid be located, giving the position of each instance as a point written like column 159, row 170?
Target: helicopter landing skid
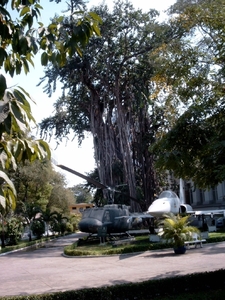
column 118, row 236
column 128, row 234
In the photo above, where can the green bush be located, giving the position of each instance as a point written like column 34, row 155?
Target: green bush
column 137, row 246
column 59, row 227
column 38, row 228
column 69, row 227
column 14, row 229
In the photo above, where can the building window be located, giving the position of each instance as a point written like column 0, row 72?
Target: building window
column 223, row 190
column 189, row 198
column 214, row 195
column 201, row 196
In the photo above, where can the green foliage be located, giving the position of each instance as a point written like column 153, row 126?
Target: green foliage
column 33, row 182
column 91, row 247
column 176, row 230
column 26, row 244
column 38, row 227
column 40, row 184
column 61, row 197
column 19, row 43
column 29, row 211
column 25, row 40
column 74, row 219
column 81, row 194
column 194, row 148
column 59, row 223
column 107, row 90
column 192, row 72
column 14, row 230
column 69, row 227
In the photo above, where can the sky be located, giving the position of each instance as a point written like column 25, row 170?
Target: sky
column 67, row 153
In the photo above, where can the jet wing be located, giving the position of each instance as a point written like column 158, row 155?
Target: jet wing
column 141, row 215
column 210, row 212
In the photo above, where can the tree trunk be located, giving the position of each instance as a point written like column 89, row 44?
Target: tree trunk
column 3, row 239
column 125, row 142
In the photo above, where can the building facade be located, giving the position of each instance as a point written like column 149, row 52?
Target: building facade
column 213, row 198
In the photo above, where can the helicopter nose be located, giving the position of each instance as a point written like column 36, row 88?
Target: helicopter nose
column 89, row 225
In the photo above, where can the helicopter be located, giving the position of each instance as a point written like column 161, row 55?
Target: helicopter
column 111, row 218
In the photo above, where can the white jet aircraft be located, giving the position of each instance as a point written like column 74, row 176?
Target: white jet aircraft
column 168, row 202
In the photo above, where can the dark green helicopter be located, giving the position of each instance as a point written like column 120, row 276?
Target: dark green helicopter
column 114, row 218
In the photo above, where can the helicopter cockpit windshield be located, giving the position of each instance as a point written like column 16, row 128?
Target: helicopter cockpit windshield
column 96, row 214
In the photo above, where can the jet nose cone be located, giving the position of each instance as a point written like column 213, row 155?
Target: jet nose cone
column 155, row 212
column 159, row 208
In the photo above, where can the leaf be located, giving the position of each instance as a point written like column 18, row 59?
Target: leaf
column 3, row 55
column 26, row 93
column 59, row 19
column 18, row 67
column 4, row 158
column 23, row 46
column 25, row 10
column 18, row 121
column 25, row 66
column 28, row 57
column 8, row 181
column 38, row 6
column 52, row 27
column 44, row 149
column 95, row 17
column 2, row 200
column 3, row 86
column 96, row 29
column 44, row 59
column 18, row 150
column 31, row 153
column 11, row 197
column 4, row 12
column 41, row 30
column 79, row 51
column 43, row 43
column 78, row 12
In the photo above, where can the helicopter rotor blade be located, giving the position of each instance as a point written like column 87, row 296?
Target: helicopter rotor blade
column 95, row 182
column 91, row 180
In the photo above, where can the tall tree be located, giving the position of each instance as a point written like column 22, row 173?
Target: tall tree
column 29, row 212
column 81, row 194
column 48, row 216
column 107, row 92
column 38, row 183
column 61, row 196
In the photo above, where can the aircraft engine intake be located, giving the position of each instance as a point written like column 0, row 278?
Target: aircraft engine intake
column 186, row 208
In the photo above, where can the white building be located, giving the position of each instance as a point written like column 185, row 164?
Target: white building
column 213, row 198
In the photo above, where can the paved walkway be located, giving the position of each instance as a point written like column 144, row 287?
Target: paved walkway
column 46, row 270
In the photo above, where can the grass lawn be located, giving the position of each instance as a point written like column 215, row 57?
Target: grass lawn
column 37, row 243
column 140, row 244
column 93, row 247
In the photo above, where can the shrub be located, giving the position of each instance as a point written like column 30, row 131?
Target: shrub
column 14, row 230
column 38, row 228
column 69, row 227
